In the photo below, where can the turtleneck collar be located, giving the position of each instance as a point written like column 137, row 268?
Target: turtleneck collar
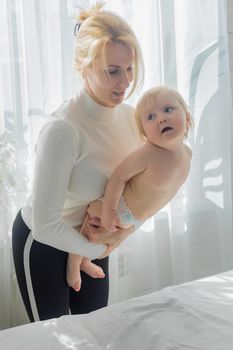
column 95, row 111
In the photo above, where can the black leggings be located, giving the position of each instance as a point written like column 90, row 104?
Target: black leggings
column 41, row 275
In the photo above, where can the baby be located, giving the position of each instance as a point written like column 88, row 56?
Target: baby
column 147, row 179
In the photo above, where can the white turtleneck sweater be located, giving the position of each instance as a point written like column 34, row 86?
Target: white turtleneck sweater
column 77, row 150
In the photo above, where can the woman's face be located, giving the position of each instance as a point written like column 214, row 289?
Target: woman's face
column 108, row 86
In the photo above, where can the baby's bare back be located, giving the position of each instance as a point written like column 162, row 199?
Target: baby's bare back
column 146, row 193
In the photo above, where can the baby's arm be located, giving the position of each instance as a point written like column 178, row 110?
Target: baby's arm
column 132, row 165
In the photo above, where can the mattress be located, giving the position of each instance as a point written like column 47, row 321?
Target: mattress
column 194, row 315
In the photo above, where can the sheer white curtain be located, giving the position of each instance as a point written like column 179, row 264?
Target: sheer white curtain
column 185, row 46
column 35, row 76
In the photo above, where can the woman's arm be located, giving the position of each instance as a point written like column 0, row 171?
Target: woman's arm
column 56, row 155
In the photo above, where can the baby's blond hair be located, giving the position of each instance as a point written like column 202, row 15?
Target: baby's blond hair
column 97, row 28
column 147, row 99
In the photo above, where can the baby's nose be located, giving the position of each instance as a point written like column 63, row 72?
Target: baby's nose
column 162, row 119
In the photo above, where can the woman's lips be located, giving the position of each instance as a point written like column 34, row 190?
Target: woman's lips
column 121, row 93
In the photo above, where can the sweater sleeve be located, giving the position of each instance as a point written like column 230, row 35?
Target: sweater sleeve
column 56, row 154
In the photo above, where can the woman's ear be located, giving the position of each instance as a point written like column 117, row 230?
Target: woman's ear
column 188, row 123
column 84, row 73
column 189, row 120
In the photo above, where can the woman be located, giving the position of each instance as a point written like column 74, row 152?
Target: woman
column 76, row 152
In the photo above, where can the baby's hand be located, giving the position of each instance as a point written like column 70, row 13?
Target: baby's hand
column 110, row 220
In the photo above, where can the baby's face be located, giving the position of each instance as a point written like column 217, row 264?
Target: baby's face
column 165, row 121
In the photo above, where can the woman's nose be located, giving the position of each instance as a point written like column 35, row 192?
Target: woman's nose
column 124, row 81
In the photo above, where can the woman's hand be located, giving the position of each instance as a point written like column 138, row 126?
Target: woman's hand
column 92, row 222
column 100, row 235
column 110, row 220
column 93, row 213
column 95, row 209
column 119, row 237
column 95, row 233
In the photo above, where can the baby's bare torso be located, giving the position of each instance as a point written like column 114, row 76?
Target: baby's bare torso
column 165, row 172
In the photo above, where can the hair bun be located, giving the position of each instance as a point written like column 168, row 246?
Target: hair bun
column 83, row 15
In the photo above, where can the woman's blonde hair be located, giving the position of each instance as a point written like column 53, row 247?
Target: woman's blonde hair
column 148, row 98
column 96, row 29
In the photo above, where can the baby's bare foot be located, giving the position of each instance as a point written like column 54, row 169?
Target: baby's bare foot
column 91, row 269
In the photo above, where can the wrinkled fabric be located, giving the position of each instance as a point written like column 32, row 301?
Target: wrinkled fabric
column 195, row 315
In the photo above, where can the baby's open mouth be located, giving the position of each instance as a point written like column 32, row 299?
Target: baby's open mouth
column 167, row 128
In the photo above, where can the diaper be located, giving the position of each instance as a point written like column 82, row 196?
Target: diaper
column 125, row 214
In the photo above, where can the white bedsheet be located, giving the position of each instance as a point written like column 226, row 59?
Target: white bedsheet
column 195, row 315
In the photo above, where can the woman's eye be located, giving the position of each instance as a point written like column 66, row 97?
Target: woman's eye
column 151, row 116
column 168, row 109
column 112, row 71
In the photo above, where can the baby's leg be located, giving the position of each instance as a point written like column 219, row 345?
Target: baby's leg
column 91, row 269
column 75, row 263
column 73, row 276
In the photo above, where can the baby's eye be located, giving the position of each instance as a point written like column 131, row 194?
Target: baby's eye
column 168, row 109
column 151, row 116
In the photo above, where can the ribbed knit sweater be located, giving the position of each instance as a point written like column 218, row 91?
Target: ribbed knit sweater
column 77, row 150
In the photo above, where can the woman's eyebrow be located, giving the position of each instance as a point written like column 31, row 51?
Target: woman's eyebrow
column 113, row 66
column 117, row 66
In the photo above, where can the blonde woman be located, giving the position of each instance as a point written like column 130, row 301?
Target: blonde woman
column 77, row 150
column 149, row 177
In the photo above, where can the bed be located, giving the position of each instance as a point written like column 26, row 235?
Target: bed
column 194, row 315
